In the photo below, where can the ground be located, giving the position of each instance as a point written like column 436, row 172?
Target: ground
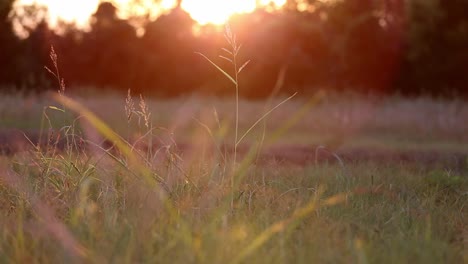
column 343, row 179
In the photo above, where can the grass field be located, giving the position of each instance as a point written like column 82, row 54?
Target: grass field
column 339, row 121
column 167, row 191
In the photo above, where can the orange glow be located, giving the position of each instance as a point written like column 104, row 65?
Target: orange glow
column 202, row 11
column 219, row 11
column 68, row 11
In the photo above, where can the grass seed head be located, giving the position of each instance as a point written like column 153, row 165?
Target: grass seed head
column 144, row 111
column 129, row 106
column 54, row 58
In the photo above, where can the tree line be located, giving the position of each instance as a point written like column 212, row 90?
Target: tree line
column 374, row 46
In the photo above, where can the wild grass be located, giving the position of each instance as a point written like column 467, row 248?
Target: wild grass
column 354, row 121
column 232, row 57
column 123, row 189
column 390, row 214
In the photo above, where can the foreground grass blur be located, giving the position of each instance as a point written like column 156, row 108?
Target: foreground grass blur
column 391, row 214
column 92, row 203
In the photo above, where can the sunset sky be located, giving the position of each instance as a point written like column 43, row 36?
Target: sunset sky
column 218, row 12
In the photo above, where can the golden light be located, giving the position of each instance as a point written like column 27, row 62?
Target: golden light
column 68, row 11
column 202, row 11
column 219, row 11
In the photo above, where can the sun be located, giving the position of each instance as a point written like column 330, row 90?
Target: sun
column 202, row 11
column 219, row 11
column 216, row 11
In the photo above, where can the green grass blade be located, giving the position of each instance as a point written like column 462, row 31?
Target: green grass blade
column 282, row 225
column 263, row 117
column 56, row 108
column 219, row 68
column 297, row 116
column 277, row 227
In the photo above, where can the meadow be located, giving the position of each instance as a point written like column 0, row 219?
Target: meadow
column 335, row 179
column 95, row 176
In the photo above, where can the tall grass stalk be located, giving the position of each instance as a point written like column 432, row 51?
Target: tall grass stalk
column 232, row 57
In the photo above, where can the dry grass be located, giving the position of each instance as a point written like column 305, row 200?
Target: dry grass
column 338, row 121
column 101, row 205
column 106, row 181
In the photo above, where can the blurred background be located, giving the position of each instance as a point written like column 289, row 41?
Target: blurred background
column 409, row 47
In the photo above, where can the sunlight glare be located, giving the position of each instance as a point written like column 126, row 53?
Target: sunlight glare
column 202, row 11
column 216, row 11
column 219, row 11
column 68, row 11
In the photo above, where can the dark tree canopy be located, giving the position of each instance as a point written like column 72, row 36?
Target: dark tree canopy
column 9, row 50
column 378, row 46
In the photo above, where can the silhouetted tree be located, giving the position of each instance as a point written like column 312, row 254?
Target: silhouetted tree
column 413, row 47
column 169, row 45
column 9, row 75
column 365, row 48
column 436, row 61
column 110, row 50
column 35, row 56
